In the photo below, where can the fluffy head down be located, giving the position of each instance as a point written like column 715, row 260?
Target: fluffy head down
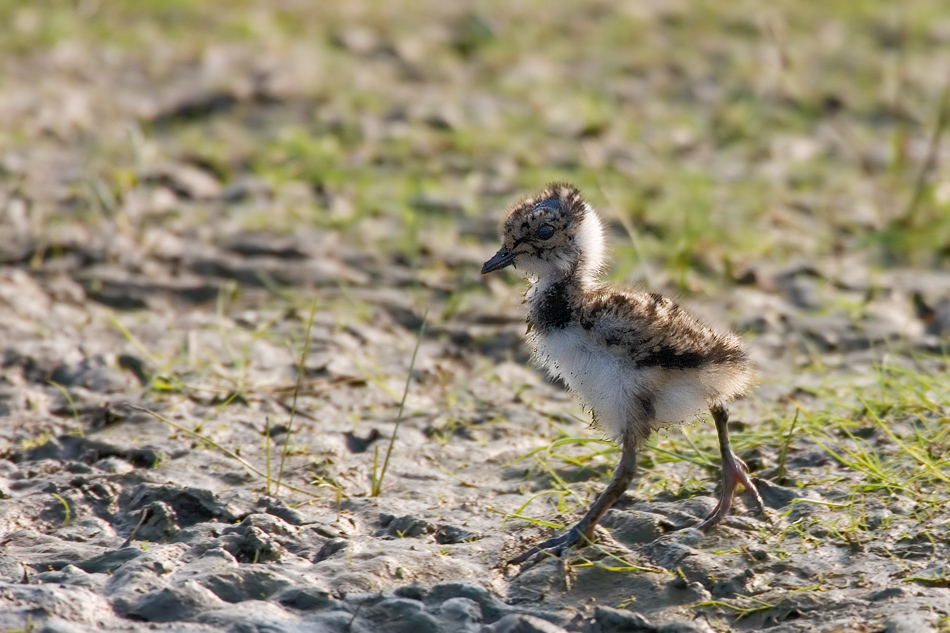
column 553, row 234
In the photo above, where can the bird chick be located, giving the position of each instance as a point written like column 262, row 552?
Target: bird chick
column 638, row 361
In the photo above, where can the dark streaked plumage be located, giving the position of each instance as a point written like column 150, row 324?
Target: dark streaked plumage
column 637, row 360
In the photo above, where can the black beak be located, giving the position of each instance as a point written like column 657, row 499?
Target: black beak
column 500, row 260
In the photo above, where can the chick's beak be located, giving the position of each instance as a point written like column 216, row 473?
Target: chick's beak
column 501, row 259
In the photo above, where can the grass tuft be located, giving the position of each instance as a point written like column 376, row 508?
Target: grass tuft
column 377, row 482
column 293, row 408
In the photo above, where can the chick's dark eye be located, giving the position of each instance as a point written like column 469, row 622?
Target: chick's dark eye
column 545, row 231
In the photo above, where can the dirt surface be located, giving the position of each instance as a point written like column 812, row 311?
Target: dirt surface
column 240, row 254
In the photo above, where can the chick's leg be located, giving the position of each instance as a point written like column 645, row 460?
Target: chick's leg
column 734, row 472
column 619, row 482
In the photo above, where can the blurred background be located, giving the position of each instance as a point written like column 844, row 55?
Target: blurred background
column 712, row 135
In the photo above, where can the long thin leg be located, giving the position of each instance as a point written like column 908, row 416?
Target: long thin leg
column 734, row 472
column 619, row 482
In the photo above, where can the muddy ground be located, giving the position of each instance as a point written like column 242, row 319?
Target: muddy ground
column 240, row 254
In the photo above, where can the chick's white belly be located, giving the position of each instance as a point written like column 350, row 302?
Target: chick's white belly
column 623, row 396
column 605, row 382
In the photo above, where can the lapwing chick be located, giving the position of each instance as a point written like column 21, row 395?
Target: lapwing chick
column 638, row 361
